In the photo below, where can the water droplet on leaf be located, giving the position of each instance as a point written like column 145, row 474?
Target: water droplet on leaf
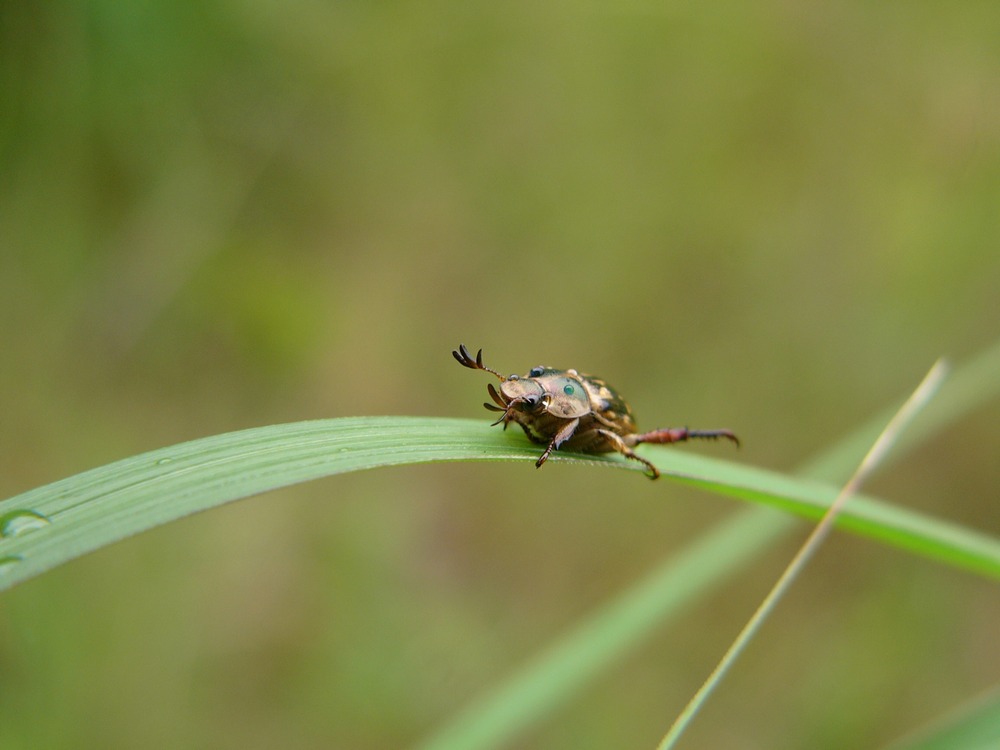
column 18, row 522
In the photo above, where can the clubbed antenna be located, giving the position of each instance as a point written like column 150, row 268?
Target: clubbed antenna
column 465, row 359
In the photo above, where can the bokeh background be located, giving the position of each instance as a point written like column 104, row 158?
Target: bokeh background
column 772, row 217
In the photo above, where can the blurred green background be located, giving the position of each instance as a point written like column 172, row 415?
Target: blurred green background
column 772, row 218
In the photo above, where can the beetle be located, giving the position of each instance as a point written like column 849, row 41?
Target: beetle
column 565, row 408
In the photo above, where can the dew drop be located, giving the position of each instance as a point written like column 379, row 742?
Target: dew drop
column 18, row 522
column 164, row 460
column 8, row 563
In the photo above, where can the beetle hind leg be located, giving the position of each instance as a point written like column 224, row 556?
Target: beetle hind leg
column 618, row 444
column 680, row 434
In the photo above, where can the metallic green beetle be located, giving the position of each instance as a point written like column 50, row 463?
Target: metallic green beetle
column 564, row 408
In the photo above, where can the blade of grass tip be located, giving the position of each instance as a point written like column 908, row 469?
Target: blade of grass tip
column 968, row 386
column 875, row 455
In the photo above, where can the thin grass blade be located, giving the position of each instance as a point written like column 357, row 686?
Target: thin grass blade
column 577, row 657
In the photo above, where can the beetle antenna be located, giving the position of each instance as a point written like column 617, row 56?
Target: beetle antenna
column 465, row 359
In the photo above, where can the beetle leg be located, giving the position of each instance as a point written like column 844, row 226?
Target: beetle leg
column 622, row 447
column 680, row 434
column 564, row 434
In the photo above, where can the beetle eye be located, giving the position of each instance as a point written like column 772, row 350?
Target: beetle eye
column 569, row 390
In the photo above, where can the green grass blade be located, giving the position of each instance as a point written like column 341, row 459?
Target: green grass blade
column 866, row 516
column 95, row 508
column 606, row 636
column 873, row 458
column 91, row 510
column 53, row 524
column 617, row 628
column 967, row 388
column 972, row 727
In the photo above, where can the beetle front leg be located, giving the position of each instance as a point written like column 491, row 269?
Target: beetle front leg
column 564, row 434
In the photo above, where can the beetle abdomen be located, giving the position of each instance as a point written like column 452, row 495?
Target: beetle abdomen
column 612, row 411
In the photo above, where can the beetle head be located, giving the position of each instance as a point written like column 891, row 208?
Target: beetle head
column 525, row 394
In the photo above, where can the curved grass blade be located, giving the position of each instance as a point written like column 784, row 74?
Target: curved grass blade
column 916, row 532
column 50, row 525
column 90, row 510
